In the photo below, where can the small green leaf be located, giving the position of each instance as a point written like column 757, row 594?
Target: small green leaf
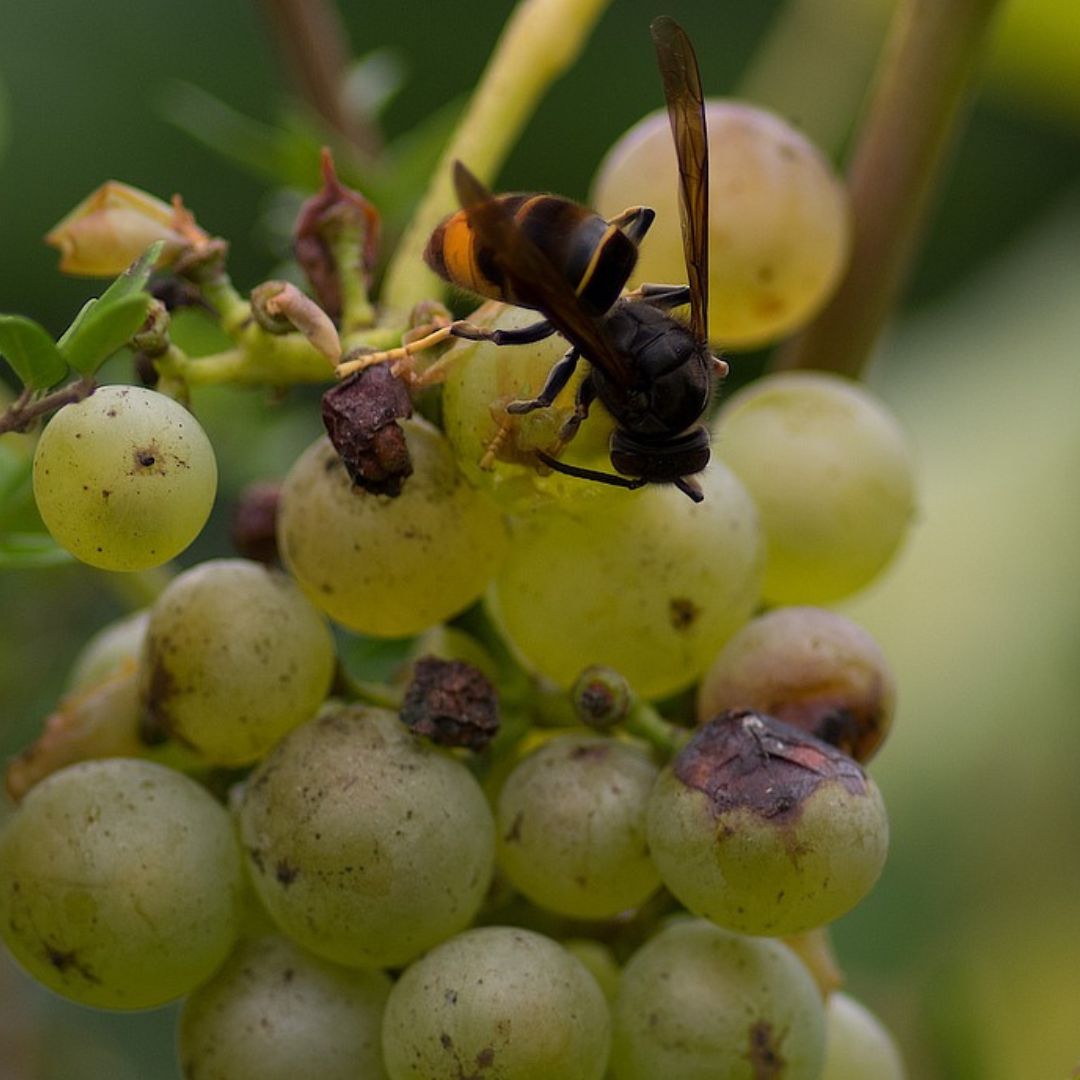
column 134, row 278
column 101, row 329
column 31, row 351
column 22, row 551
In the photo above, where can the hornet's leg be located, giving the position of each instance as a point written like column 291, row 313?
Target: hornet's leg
column 586, row 395
column 399, row 357
column 557, row 378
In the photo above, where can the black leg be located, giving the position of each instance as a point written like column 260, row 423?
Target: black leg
column 557, row 378
column 525, row 335
column 586, row 395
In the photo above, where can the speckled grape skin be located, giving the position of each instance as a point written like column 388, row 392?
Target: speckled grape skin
column 234, row 657
column 810, row 667
column 645, row 582
column 275, row 1012
column 571, row 826
column 120, row 884
column 700, row 1003
column 500, row 1003
column 779, row 220
column 386, row 566
column 365, row 843
column 125, row 478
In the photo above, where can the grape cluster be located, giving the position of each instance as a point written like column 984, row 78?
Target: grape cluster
column 612, row 891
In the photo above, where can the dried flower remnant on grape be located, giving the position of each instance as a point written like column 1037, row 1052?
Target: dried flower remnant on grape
column 452, row 703
column 360, row 415
column 602, row 697
column 748, row 760
column 322, row 221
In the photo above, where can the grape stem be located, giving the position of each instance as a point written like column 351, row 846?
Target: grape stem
column 541, row 39
column 27, row 407
column 644, row 721
column 924, row 81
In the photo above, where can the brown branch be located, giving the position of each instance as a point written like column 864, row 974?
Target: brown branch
column 924, row 82
column 311, row 37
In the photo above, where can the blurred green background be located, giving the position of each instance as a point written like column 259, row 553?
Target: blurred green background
column 969, row 948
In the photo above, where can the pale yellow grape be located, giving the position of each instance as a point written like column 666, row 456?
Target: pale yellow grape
column 386, row 566
column 125, row 478
column 857, row 1046
column 832, row 475
column 600, row 961
column 275, row 1012
column 487, row 377
column 120, row 884
column 234, row 657
column 779, row 220
column 700, row 1003
column 500, row 1003
column 118, row 643
column 645, row 582
column 810, row 667
column 366, row 844
column 571, row 826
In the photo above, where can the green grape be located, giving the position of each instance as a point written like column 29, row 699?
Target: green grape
column 764, row 829
column 645, row 582
column 113, row 646
column 779, row 224
column 366, row 844
column 700, row 1003
column 571, row 826
column 275, row 1012
column 499, row 1003
column 125, row 478
column 386, row 566
column 120, row 884
column 857, row 1046
column 600, row 962
column 482, row 381
column 832, row 475
column 809, row 667
column 234, row 657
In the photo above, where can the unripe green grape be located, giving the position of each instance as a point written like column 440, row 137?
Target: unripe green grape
column 645, row 582
column 234, row 657
column 809, row 667
column 571, row 826
column 366, row 844
column 498, row 1002
column 600, row 962
column 857, row 1046
column 700, row 1003
column 483, row 381
column 779, row 220
column 120, row 884
column 125, row 478
column 387, row 566
column 117, row 643
column 832, row 476
column 764, row 829
column 275, row 1012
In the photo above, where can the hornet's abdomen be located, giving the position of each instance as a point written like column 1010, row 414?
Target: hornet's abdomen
column 595, row 256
